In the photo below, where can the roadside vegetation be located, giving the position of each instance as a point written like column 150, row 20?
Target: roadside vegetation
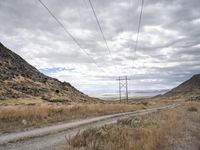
column 23, row 116
column 160, row 130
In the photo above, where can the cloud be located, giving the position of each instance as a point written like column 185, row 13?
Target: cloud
column 167, row 54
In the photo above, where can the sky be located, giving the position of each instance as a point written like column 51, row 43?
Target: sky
column 168, row 51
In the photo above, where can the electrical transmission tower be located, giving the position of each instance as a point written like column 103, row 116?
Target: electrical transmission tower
column 123, row 83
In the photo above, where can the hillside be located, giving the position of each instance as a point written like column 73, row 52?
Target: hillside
column 189, row 88
column 18, row 79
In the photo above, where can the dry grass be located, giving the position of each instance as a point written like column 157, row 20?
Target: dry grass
column 12, row 117
column 187, row 136
column 148, row 132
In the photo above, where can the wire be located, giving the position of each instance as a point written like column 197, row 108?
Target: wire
column 98, row 23
column 138, row 32
column 93, row 20
column 69, row 34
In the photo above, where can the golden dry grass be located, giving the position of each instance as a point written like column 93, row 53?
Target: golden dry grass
column 148, row 132
column 11, row 117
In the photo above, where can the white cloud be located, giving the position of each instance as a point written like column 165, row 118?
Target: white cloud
column 168, row 41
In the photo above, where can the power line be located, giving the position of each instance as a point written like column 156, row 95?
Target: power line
column 138, row 31
column 98, row 23
column 69, row 34
column 93, row 20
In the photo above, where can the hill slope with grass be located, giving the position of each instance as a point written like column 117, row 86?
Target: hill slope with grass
column 18, row 79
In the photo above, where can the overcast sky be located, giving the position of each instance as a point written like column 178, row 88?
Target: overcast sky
column 168, row 49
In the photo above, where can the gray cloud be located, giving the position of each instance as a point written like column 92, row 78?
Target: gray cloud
column 168, row 50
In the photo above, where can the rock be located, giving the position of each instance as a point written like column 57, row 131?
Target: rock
column 24, row 122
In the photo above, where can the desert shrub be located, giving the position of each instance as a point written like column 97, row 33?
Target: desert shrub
column 192, row 109
column 57, row 110
column 145, row 103
column 133, row 133
column 136, row 122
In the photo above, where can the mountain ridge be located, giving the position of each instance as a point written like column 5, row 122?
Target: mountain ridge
column 188, row 89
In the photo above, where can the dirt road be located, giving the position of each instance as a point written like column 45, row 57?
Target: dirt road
column 50, row 137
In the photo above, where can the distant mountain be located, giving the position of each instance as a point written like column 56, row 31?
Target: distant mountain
column 18, row 79
column 189, row 88
column 149, row 91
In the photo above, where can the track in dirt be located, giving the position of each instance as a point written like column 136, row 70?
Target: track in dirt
column 50, row 137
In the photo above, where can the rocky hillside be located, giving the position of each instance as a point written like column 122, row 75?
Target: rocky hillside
column 189, row 88
column 18, row 79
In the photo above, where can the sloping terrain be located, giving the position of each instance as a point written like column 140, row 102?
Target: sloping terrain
column 18, row 79
column 189, row 89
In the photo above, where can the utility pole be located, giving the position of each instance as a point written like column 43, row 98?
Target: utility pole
column 123, row 83
column 126, row 89
column 120, row 90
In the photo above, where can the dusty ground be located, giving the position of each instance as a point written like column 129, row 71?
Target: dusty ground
column 177, row 129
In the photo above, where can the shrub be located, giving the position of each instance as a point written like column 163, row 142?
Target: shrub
column 57, row 91
column 57, row 110
column 192, row 109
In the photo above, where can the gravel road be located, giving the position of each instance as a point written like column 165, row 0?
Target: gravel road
column 50, row 137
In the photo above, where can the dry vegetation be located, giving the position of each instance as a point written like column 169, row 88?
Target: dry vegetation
column 149, row 132
column 187, row 136
column 22, row 116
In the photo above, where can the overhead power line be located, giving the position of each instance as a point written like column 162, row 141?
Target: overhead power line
column 69, row 34
column 92, row 18
column 98, row 23
column 138, row 31
column 139, row 24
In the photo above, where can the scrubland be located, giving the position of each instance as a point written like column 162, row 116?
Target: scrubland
column 26, row 114
column 178, row 129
